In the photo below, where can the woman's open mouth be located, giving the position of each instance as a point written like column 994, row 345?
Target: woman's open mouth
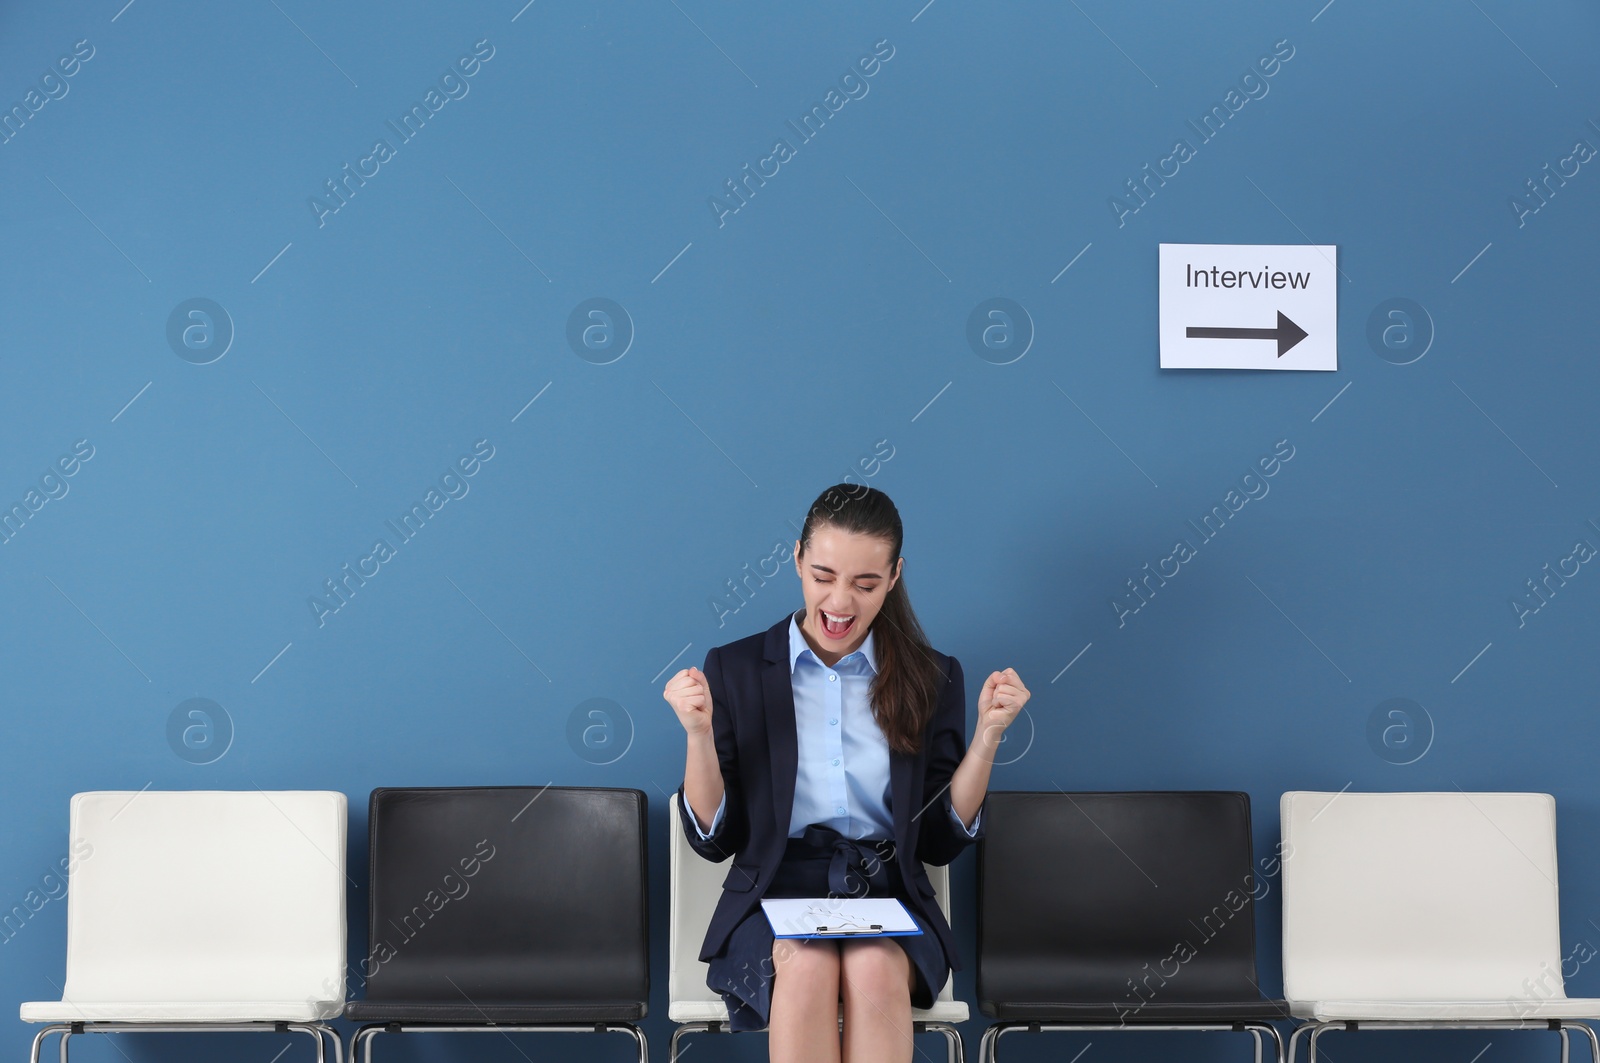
column 835, row 627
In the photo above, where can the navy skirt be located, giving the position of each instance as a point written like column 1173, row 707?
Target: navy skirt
column 743, row 972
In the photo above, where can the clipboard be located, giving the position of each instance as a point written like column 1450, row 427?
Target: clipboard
column 835, row 917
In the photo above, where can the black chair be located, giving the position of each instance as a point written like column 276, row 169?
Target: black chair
column 1118, row 911
column 506, row 909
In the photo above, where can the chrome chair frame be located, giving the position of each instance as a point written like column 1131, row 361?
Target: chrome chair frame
column 69, row 1030
column 361, row 1043
column 955, row 1049
column 991, row 1036
column 1315, row 1028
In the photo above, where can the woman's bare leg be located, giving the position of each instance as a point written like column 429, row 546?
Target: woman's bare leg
column 803, row 1026
column 876, row 981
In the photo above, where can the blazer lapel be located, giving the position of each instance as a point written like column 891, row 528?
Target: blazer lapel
column 901, row 807
column 777, row 691
column 782, row 744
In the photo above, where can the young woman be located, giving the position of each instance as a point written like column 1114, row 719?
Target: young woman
column 828, row 756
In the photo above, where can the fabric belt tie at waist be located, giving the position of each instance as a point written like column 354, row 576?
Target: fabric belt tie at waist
column 856, row 868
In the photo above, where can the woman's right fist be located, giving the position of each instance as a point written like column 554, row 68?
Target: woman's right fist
column 689, row 694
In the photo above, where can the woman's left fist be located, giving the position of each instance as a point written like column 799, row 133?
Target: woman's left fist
column 1001, row 698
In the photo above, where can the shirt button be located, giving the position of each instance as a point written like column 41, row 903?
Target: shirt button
column 836, row 762
column 831, row 677
column 839, row 811
column 833, row 722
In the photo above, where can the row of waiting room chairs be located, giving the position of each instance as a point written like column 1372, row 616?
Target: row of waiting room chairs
column 525, row 909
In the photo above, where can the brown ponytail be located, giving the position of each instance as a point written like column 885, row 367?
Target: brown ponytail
column 906, row 689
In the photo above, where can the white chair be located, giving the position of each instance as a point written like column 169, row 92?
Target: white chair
column 1424, row 911
column 203, row 911
column 695, row 1007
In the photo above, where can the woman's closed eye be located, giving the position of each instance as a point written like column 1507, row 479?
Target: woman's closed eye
column 859, row 587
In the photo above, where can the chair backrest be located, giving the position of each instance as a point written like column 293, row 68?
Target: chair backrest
column 1420, row 896
column 508, row 894
column 186, row 896
column 1116, row 899
column 695, row 886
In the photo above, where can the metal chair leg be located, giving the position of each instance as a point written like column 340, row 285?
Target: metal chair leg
column 990, row 1044
column 644, row 1045
column 1588, row 1031
column 361, row 1043
column 1294, row 1038
column 311, row 1029
column 1311, row 1045
column 954, row 1049
column 324, row 1030
column 38, row 1038
column 1277, row 1039
column 692, row 1027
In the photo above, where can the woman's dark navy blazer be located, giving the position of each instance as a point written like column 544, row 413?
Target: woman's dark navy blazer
column 753, row 723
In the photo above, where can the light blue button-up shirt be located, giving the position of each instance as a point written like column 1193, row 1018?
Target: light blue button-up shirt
column 842, row 770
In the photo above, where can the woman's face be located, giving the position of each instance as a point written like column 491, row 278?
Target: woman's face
column 845, row 577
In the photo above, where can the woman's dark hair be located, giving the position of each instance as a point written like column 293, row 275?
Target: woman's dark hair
column 906, row 689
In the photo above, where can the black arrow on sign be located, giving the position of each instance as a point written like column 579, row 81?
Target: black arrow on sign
column 1287, row 333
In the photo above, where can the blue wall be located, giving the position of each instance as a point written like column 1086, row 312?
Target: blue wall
column 770, row 351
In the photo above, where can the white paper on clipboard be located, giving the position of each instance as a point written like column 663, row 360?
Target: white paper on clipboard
column 793, row 917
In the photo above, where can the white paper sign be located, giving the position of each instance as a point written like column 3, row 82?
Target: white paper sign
column 1249, row 306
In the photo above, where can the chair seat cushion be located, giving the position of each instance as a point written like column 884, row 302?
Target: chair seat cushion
column 180, row 1010
column 489, row 1011
column 1171, row 1012
column 1446, row 1010
column 708, row 1011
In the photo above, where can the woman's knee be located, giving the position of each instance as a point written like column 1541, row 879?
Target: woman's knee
column 877, row 967
column 809, row 960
